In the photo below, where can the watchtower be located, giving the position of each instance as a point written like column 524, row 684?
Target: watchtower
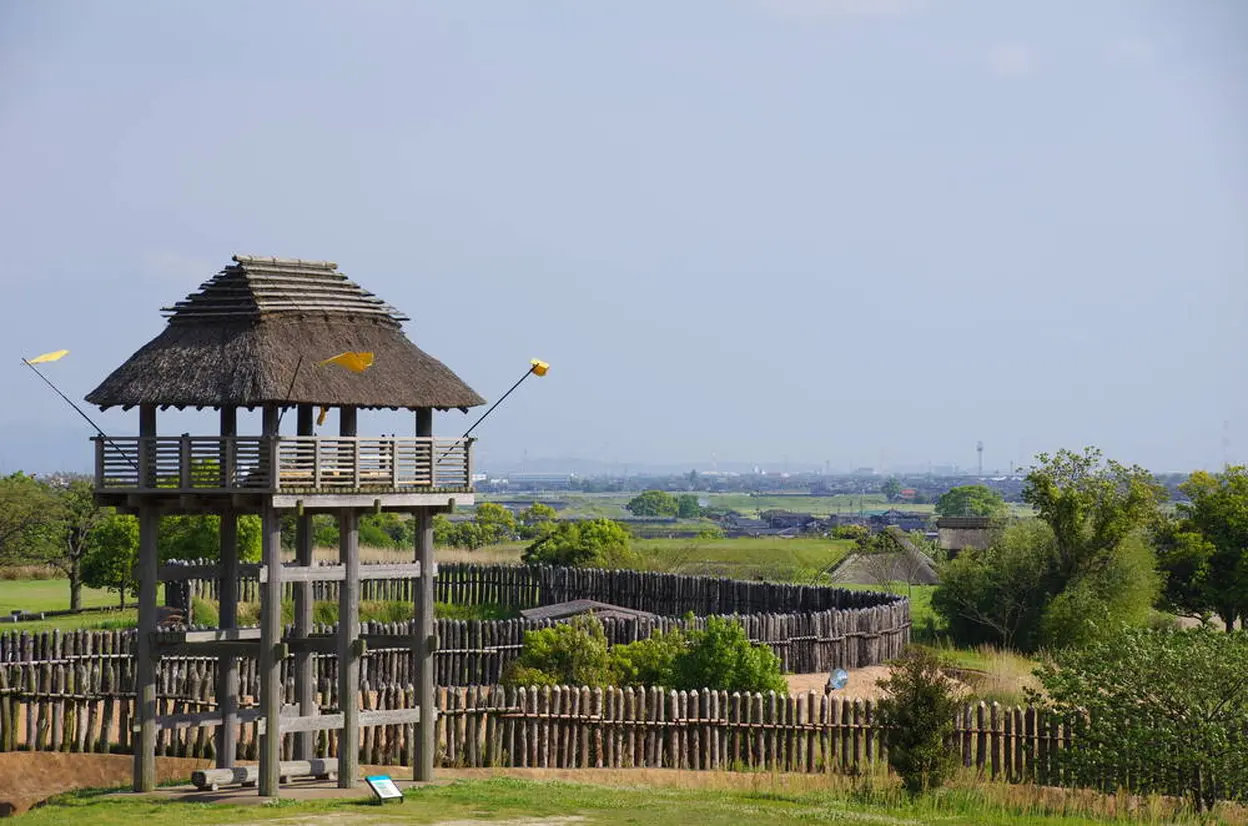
column 260, row 335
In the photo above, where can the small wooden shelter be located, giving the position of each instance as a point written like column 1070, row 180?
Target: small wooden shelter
column 254, row 336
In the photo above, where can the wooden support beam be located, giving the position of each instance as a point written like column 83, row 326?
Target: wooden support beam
column 204, row 719
column 348, row 652
column 390, row 717
column 312, row 723
column 337, row 573
column 181, row 573
column 270, row 656
column 271, row 632
column 423, row 645
column 145, row 676
column 219, row 650
column 304, row 666
column 227, row 610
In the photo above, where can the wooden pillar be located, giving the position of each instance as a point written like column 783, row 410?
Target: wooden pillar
column 349, row 631
column 423, row 641
column 227, row 615
column 271, row 637
column 424, row 644
column 145, row 676
column 305, row 671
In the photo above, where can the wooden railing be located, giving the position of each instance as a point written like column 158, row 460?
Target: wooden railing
column 283, row 464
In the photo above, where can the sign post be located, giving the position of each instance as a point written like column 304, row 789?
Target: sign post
column 383, row 787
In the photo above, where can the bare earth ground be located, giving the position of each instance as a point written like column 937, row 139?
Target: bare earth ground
column 863, row 683
column 27, row 778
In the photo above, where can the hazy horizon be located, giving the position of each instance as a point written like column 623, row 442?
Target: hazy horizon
column 867, row 233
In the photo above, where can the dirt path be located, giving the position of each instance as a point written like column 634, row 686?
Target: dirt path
column 863, row 683
column 30, row 777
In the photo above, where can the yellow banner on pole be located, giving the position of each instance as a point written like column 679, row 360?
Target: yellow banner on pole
column 355, row 362
column 55, row 355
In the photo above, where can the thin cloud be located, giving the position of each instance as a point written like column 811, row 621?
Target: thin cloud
column 1130, row 51
column 172, row 267
column 1011, row 60
column 811, row 10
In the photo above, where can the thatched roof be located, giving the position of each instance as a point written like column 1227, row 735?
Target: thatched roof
column 254, row 333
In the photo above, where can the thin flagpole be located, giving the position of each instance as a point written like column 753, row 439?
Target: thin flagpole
column 290, row 389
column 68, row 401
column 501, row 398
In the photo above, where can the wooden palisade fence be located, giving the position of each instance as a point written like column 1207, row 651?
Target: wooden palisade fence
column 475, row 652
column 530, row 586
column 76, row 707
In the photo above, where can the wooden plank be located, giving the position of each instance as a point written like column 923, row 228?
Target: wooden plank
column 389, row 717
column 312, row 722
column 337, row 573
column 182, row 573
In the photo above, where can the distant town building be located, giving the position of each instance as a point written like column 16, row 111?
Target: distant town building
column 537, row 481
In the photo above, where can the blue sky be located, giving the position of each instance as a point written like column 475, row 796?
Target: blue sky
column 868, row 232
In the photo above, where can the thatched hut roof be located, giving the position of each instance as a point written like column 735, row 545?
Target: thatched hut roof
column 253, row 334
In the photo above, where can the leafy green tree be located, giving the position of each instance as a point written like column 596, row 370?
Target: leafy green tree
column 687, row 506
column 387, row 530
column 891, row 489
column 971, row 500
column 111, row 553
column 1079, row 571
column 1155, row 712
column 572, row 653
column 721, row 656
column 198, row 536
column 26, row 504
column 653, row 503
column 918, row 718
column 854, row 532
column 1090, row 506
column 537, row 520
column 494, row 523
column 998, row 595
column 648, row 662
column 70, row 533
column 596, row 543
column 1204, row 553
column 709, row 532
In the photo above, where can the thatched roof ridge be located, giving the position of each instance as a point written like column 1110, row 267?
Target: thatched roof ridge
column 254, row 333
column 256, row 286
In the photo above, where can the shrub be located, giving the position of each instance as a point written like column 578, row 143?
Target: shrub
column 649, row 661
column 918, row 718
column 204, row 612
column 573, row 653
column 1014, row 593
column 854, row 532
column 1157, row 712
column 596, row 543
column 722, row 657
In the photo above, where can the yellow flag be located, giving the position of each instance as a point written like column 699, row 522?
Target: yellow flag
column 539, row 367
column 56, row 355
column 355, row 362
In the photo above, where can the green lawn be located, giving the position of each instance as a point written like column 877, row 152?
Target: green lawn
column 760, row 799
column 800, row 559
column 47, row 595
